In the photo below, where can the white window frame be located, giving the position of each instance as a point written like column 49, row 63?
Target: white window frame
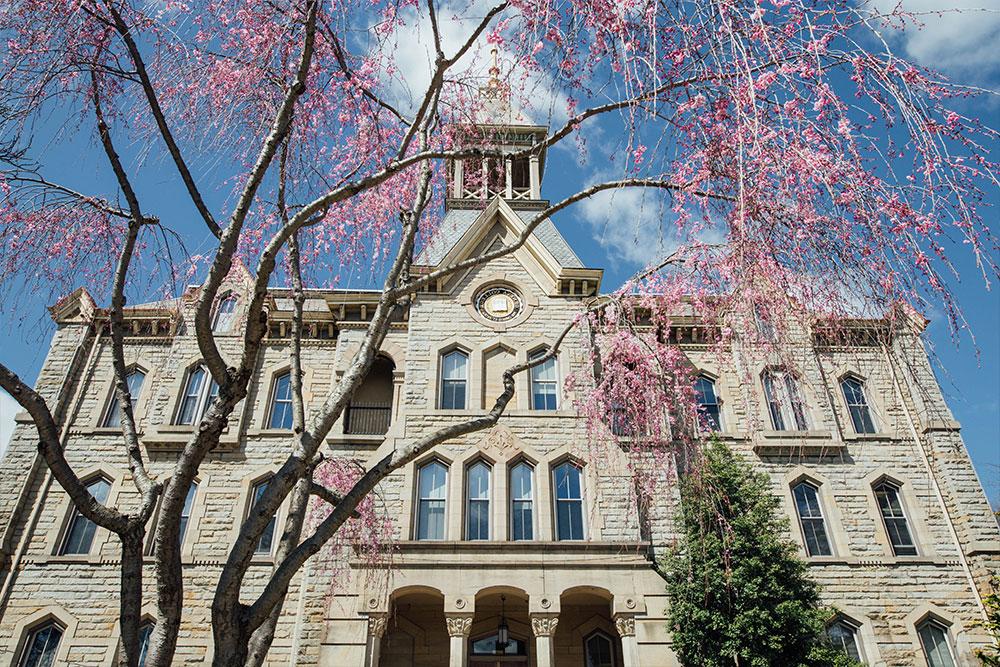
column 532, row 381
column 33, row 633
column 203, row 397
column 272, row 524
column 469, row 500
column 855, row 628
column 904, row 515
column 867, row 405
column 75, row 516
column 111, row 411
column 416, row 514
column 944, row 628
column 531, row 499
column 608, row 638
column 274, row 400
column 224, row 318
column 555, row 500
column 721, row 426
column 463, row 380
column 822, row 517
column 782, row 388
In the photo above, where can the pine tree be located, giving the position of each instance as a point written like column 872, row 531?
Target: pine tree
column 739, row 593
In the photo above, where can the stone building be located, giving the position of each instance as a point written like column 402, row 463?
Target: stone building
column 510, row 530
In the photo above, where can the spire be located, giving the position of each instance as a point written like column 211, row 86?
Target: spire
column 495, row 95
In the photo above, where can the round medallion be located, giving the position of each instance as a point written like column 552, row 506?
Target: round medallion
column 499, row 303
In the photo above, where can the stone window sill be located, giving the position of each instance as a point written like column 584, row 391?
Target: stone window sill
column 866, row 437
column 175, row 438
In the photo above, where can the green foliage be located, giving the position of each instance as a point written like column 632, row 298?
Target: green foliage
column 990, row 656
column 739, row 593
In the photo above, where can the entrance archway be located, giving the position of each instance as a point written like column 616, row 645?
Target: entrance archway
column 492, row 605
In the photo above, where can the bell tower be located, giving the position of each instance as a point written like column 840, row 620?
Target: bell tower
column 498, row 125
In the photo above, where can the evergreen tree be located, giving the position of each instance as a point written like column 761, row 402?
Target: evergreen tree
column 990, row 656
column 739, row 593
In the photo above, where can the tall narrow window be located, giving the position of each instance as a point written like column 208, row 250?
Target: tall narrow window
column 432, row 481
column 843, row 635
column 145, row 632
column 857, row 405
column 709, row 408
column 764, row 323
column 784, row 402
column 225, row 314
column 113, row 417
column 40, row 649
column 186, row 511
column 266, row 541
column 599, row 651
column 934, row 642
column 281, row 402
column 477, row 502
column 544, row 390
column 454, row 380
column 522, row 500
column 567, row 483
column 811, row 519
column 80, row 535
column 894, row 520
column 199, row 392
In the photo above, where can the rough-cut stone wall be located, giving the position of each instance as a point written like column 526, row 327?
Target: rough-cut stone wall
column 918, row 446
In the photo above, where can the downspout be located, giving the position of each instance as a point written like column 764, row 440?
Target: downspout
column 36, row 464
column 934, row 484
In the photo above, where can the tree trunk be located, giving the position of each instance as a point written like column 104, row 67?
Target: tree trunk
column 130, row 610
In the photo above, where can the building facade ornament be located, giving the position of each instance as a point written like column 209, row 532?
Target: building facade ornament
column 459, row 625
column 625, row 625
column 544, row 626
column 376, row 624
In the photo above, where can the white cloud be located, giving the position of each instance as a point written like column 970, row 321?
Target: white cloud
column 8, row 408
column 956, row 35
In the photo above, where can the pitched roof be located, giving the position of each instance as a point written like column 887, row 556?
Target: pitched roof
column 457, row 222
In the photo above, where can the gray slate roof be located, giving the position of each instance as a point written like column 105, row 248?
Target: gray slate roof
column 458, row 221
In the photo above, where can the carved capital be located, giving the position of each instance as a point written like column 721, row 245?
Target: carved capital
column 376, row 625
column 625, row 625
column 544, row 626
column 459, row 626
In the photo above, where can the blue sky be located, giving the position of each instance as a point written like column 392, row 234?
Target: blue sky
column 962, row 45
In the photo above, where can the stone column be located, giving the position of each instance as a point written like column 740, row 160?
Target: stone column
column 376, row 628
column 543, row 626
column 625, row 625
column 459, row 626
column 535, row 177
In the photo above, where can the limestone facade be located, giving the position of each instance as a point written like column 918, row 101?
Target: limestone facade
column 564, row 601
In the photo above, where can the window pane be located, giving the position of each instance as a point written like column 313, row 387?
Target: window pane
column 544, row 384
column 569, row 502
column 811, row 520
column 192, row 396
column 134, row 382
column 478, row 509
column 521, row 479
column 144, row 634
column 281, row 403
column 453, row 395
column 844, row 637
column 895, row 520
column 266, row 541
column 454, row 369
column 42, row 647
column 857, row 405
column 795, row 401
column 934, row 640
column 431, row 490
column 773, row 402
column 455, row 364
column 80, row 536
column 599, row 652
column 225, row 314
column 186, row 511
column 708, row 403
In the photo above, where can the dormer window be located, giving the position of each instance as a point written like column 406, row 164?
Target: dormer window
column 225, row 314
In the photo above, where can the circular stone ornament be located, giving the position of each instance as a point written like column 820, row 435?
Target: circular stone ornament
column 499, row 303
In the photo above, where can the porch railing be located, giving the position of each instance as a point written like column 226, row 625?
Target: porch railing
column 368, row 418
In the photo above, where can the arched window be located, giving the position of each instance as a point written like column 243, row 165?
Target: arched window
column 432, row 483
column 225, row 314
column 145, row 632
column 266, row 542
column 811, row 519
column 935, row 643
column 477, row 502
column 454, row 380
column 894, row 519
column 281, row 402
column 40, row 649
column 522, row 500
column 857, row 405
column 113, row 417
column 544, row 383
column 599, row 651
column 568, row 487
column 709, row 407
column 784, row 401
column 80, row 534
column 843, row 635
column 199, row 392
